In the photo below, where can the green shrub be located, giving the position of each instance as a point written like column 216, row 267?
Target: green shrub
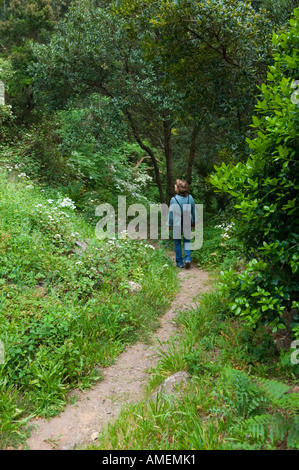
column 265, row 190
column 64, row 310
column 220, row 249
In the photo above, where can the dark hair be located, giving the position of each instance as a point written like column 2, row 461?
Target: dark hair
column 183, row 187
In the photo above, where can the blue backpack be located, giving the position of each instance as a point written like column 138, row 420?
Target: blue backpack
column 185, row 220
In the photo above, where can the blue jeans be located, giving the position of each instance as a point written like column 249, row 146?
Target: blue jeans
column 178, row 250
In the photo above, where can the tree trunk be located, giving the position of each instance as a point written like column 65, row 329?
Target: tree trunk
column 169, row 161
column 192, row 153
column 150, row 153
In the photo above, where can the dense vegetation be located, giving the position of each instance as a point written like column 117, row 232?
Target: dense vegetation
column 65, row 311
column 236, row 398
column 110, row 98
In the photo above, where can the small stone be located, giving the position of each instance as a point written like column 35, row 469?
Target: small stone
column 169, row 385
column 134, row 286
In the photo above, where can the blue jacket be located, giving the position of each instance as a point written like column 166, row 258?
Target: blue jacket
column 181, row 200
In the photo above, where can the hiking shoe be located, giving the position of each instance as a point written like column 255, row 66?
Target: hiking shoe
column 187, row 264
column 180, row 266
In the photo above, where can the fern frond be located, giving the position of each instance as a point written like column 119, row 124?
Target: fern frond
column 290, row 403
column 244, row 396
column 273, row 389
column 263, row 428
column 258, row 427
column 293, row 435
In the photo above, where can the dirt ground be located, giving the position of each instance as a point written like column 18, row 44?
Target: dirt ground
column 122, row 382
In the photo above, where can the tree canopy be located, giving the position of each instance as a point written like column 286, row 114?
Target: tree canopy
column 171, row 68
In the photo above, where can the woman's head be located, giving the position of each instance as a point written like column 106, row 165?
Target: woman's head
column 182, row 187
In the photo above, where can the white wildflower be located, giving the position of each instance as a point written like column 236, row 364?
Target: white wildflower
column 66, row 202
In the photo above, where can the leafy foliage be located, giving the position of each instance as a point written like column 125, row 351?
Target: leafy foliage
column 21, row 24
column 127, row 52
column 280, row 427
column 65, row 309
column 226, row 404
column 120, row 97
column 265, row 190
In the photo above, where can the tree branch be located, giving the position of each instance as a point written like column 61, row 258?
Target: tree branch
column 148, row 150
column 222, row 50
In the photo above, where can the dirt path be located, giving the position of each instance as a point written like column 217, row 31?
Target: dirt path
column 123, row 382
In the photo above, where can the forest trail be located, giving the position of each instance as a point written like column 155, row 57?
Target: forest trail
column 123, row 382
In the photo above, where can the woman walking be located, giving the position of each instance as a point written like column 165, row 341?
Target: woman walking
column 182, row 218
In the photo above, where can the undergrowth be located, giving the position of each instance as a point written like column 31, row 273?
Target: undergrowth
column 67, row 305
column 236, row 397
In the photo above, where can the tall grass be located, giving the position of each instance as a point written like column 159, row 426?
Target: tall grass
column 227, row 404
